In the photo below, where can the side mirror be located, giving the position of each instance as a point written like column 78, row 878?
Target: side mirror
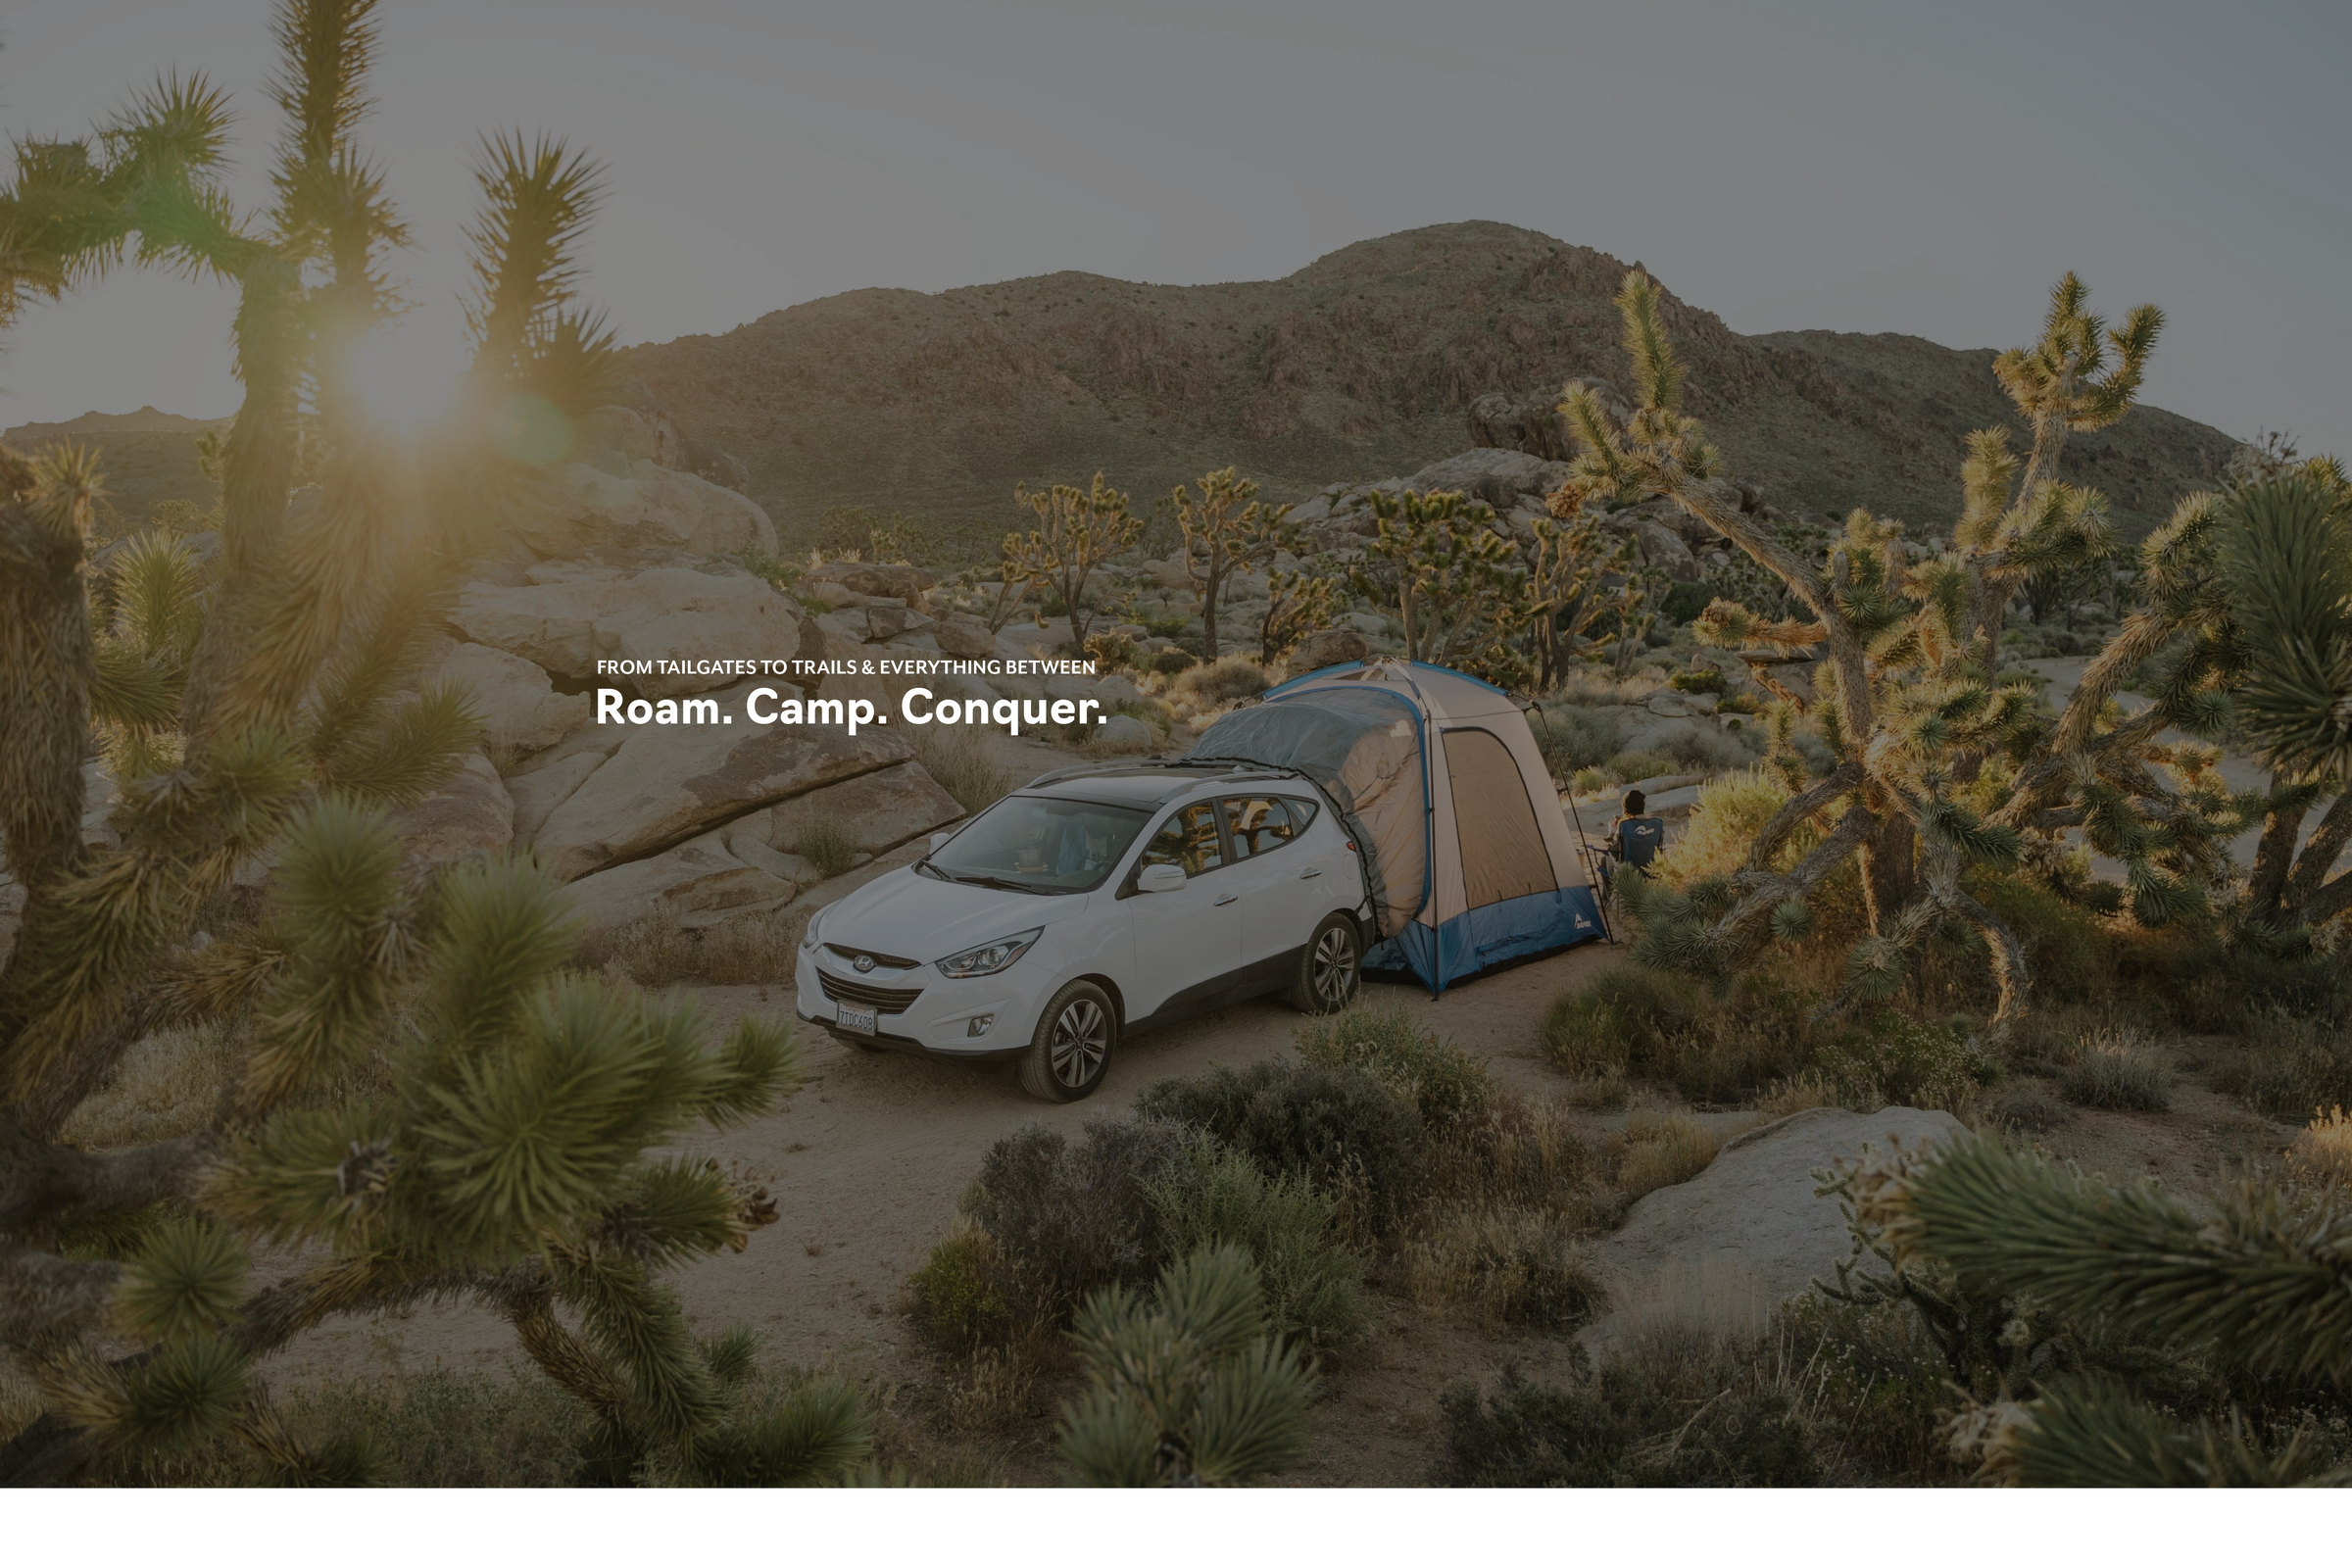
column 1161, row 879
column 939, row 840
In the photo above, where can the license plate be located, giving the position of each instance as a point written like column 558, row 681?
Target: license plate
column 857, row 1020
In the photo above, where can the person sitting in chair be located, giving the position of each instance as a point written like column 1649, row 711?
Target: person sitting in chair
column 1635, row 837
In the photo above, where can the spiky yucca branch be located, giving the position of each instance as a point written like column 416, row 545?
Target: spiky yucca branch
column 1906, row 695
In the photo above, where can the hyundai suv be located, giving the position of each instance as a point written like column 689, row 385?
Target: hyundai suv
column 1093, row 904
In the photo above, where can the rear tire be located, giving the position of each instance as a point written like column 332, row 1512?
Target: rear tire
column 1331, row 966
column 1070, row 1056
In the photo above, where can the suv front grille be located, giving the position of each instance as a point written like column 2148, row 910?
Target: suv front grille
column 888, row 1000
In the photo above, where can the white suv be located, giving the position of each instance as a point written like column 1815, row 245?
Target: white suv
column 1093, row 903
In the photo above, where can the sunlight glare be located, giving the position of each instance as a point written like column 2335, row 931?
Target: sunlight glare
column 403, row 378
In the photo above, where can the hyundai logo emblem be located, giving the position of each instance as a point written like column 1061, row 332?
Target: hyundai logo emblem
column 864, row 963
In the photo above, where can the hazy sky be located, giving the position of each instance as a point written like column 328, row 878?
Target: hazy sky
column 1925, row 169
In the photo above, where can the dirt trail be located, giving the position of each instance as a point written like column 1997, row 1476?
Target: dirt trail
column 868, row 1160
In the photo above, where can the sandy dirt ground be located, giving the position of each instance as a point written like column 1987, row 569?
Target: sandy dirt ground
column 868, row 1160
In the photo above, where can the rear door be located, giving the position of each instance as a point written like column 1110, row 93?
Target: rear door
column 1282, row 884
column 1187, row 943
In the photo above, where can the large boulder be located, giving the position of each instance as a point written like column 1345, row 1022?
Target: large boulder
column 521, row 710
column 1747, row 1233
column 586, row 509
column 470, row 817
column 665, row 785
column 1493, row 474
column 1665, row 550
column 569, row 616
column 961, row 636
column 1333, row 645
column 1534, row 424
column 873, row 579
column 700, row 877
column 875, row 811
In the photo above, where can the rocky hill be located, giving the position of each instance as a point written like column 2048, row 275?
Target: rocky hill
column 1361, row 366
column 147, row 457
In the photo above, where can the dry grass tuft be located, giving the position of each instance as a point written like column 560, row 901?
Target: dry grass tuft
column 1661, row 1150
column 2113, row 1071
column 1504, row 1266
column 655, row 950
column 993, row 1388
column 2323, row 1151
column 167, row 1086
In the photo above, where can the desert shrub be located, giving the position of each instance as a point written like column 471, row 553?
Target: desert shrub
column 1624, row 1018
column 1730, row 812
column 964, row 762
column 2291, row 1067
column 1346, row 1135
column 1444, row 1084
column 754, row 950
column 824, row 845
column 1228, row 680
column 1502, row 1265
column 2112, row 1070
column 1573, row 739
column 2323, row 1151
column 1698, row 678
column 1739, row 1043
column 1660, row 1151
column 1627, row 766
column 958, row 1296
column 1709, row 750
column 1172, row 661
column 793, row 1433
column 1070, row 1218
column 1874, row 1378
column 1901, row 1061
column 1671, row 1410
column 1515, row 1154
column 1313, row 1284
column 429, row 1428
column 2028, row 1109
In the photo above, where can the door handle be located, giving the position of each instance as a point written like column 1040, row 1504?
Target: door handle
column 1312, row 871
column 1227, row 899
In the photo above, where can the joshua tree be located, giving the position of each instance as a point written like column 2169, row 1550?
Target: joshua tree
column 1296, row 603
column 1189, row 1390
column 2260, row 1282
column 1453, row 578
column 1939, row 763
column 1573, row 611
column 272, row 706
column 1226, row 529
column 1077, row 530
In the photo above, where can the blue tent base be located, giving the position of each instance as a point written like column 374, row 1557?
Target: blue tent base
column 1492, row 936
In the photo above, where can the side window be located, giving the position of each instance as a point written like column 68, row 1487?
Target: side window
column 1257, row 823
column 1188, row 839
column 1302, row 814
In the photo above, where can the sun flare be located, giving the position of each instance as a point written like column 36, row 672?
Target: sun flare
column 401, row 379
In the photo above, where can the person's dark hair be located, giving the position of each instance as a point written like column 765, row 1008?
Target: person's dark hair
column 1635, row 801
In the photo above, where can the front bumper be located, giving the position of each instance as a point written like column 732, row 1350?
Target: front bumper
column 936, row 1024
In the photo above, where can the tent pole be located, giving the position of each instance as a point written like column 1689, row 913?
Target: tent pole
column 1584, row 851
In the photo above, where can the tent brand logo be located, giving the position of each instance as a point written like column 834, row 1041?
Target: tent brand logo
column 863, row 964
column 1583, row 924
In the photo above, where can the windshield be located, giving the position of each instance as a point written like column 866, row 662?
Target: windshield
column 1038, row 844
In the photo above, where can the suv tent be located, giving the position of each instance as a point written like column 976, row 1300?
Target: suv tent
column 1469, row 861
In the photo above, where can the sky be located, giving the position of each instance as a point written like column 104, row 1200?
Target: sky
column 1868, row 168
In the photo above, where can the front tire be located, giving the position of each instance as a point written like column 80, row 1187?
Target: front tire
column 1070, row 1053
column 1330, row 967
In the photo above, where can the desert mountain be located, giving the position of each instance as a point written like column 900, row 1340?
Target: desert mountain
column 1359, row 366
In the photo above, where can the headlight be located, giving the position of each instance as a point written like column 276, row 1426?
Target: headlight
column 809, row 936
column 989, row 958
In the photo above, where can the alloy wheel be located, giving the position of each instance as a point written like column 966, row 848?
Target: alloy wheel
column 1334, row 966
column 1081, row 1039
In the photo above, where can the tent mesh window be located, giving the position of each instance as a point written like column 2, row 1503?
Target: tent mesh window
column 1502, row 849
